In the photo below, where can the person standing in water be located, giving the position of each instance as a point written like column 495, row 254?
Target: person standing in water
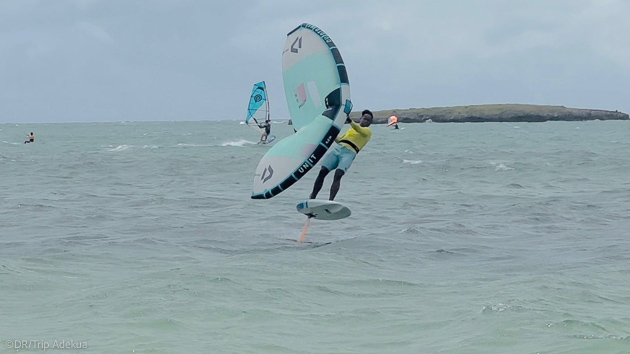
column 31, row 138
column 341, row 156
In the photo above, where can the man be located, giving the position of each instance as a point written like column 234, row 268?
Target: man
column 31, row 138
column 341, row 156
column 266, row 132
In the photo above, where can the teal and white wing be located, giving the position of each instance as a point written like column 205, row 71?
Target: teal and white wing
column 318, row 95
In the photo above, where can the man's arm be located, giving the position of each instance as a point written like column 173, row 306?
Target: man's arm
column 348, row 120
column 361, row 130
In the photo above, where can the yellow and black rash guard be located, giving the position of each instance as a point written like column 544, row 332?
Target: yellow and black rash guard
column 355, row 138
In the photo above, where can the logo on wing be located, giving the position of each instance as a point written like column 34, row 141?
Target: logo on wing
column 297, row 44
column 266, row 177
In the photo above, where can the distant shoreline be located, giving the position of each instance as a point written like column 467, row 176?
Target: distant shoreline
column 494, row 113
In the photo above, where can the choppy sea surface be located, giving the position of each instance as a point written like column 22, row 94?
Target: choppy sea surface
column 464, row 238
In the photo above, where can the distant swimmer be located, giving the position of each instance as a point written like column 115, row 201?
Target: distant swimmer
column 31, row 138
column 267, row 130
column 341, row 156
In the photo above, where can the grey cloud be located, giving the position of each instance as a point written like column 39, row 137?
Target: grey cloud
column 195, row 60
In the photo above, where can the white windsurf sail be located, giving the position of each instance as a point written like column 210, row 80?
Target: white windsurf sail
column 258, row 109
column 318, row 95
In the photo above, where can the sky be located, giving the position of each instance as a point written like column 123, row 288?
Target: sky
column 193, row 60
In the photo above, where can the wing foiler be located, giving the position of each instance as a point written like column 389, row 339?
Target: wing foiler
column 318, row 95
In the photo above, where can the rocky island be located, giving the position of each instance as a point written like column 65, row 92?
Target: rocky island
column 494, row 113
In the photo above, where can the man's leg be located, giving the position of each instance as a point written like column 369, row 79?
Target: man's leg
column 345, row 160
column 334, row 188
column 319, row 182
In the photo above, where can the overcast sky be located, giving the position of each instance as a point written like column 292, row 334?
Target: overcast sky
column 141, row 60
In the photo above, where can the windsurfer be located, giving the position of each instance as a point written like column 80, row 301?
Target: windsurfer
column 393, row 120
column 344, row 153
column 267, row 130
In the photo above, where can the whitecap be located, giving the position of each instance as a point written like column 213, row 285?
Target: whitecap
column 412, row 162
column 118, row 148
column 500, row 166
column 191, row 145
column 241, row 142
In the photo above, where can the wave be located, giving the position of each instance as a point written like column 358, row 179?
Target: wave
column 191, row 145
column 240, row 143
column 500, row 166
column 412, row 162
column 273, row 122
column 118, row 148
column 124, row 147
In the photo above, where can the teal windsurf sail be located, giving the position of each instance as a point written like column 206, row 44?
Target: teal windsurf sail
column 318, row 95
column 258, row 109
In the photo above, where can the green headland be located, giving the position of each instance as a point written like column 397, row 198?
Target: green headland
column 494, row 113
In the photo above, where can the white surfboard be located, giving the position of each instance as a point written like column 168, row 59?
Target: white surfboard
column 323, row 209
column 269, row 140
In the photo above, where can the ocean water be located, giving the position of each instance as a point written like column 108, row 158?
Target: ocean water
column 464, row 238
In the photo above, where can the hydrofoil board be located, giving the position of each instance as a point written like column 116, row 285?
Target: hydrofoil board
column 323, row 209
